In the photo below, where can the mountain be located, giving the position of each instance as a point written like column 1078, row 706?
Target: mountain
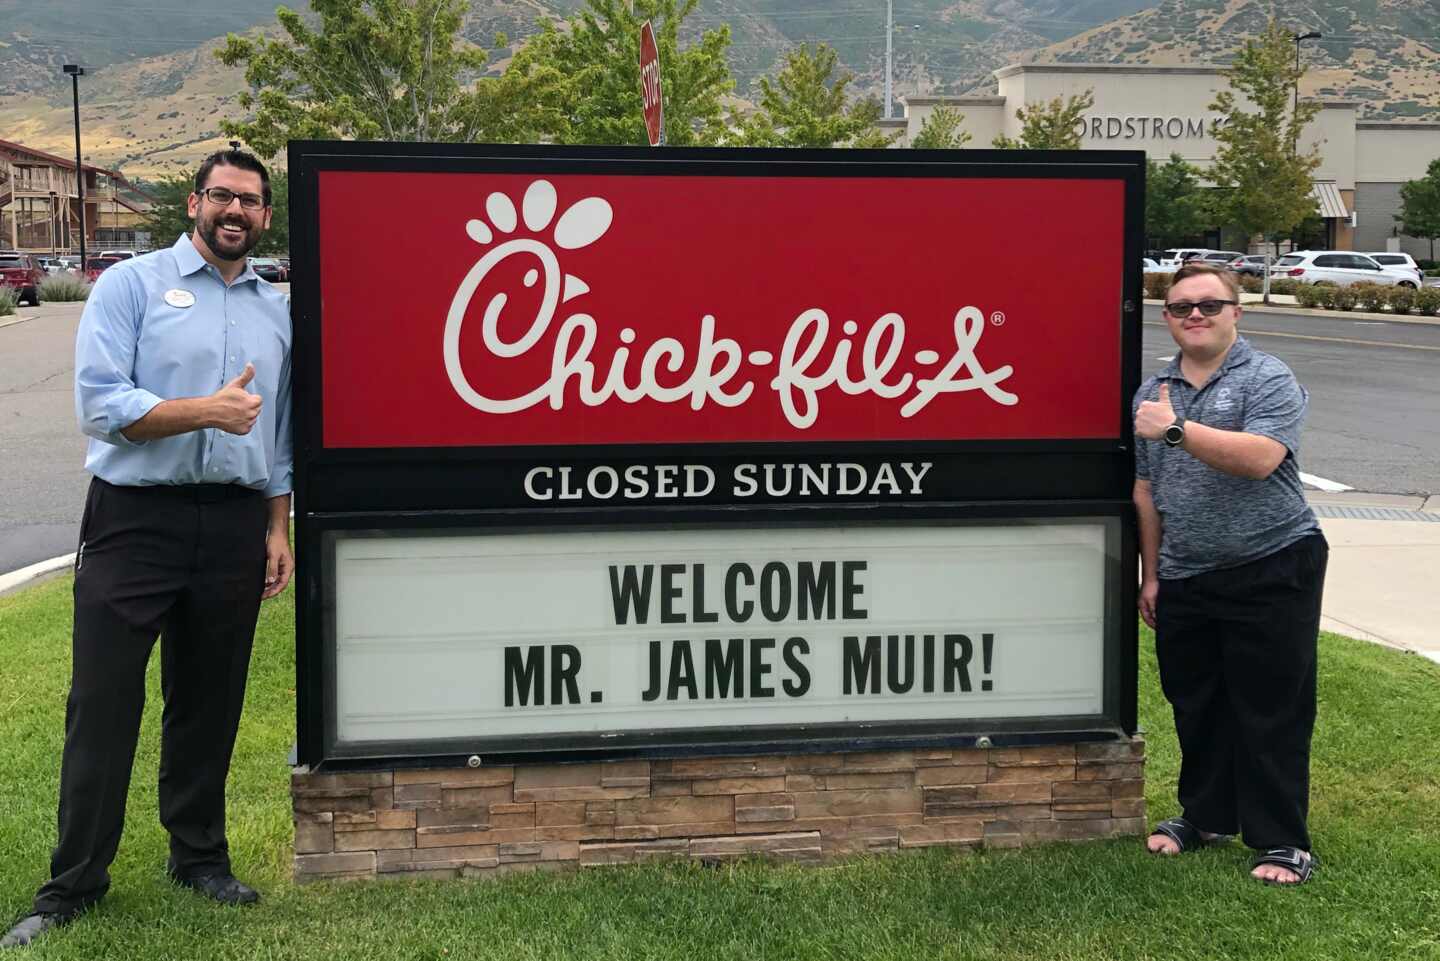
column 1384, row 53
column 154, row 92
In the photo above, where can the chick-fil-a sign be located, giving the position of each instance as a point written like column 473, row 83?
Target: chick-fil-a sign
column 470, row 309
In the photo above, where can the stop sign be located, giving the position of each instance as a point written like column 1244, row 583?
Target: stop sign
column 650, row 85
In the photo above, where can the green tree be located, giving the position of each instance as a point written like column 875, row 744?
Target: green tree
column 169, row 215
column 359, row 69
column 583, row 78
column 1263, row 175
column 805, row 105
column 1420, row 206
column 942, row 130
column 1176, row 205
column 1049, row 125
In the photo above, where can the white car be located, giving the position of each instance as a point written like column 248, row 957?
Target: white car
column 1149, row 266
column 1386, row 258
column 1340, row 267
column 1176, row 257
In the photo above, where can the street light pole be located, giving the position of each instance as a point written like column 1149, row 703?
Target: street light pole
column 76, row 72
column 1312, row 35
column 889, row 49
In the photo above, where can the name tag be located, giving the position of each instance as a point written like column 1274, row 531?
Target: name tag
column 179, row 298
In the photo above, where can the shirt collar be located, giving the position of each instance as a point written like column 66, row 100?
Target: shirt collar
column 188, row 259
column 1240, row 352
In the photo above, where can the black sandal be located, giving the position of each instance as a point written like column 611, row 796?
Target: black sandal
column 1292, row 859
column 1186, row 835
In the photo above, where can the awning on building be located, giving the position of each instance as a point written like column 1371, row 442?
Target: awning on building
column 1327, row 197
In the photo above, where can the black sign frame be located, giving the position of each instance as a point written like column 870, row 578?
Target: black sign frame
column 379, row 490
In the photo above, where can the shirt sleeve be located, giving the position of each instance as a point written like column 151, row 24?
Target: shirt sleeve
column 282, row 472
column 106, row 398
column 1276, row 405
column 1142, row 446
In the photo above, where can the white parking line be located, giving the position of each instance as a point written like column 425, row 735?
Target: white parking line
column 1333, row 487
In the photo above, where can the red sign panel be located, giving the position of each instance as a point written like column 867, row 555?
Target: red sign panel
column 480, row 309
column 650, row 85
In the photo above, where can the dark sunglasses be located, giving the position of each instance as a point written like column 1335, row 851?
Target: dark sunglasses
column 1181, row 309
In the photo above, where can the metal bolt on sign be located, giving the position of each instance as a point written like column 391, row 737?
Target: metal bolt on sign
column 474, row 760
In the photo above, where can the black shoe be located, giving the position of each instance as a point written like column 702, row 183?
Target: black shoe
column 224, row 888
column 32, row 926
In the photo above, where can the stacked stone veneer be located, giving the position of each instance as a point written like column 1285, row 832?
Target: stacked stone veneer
column 472, row 822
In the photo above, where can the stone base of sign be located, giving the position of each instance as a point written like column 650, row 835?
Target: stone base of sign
column 454, row 822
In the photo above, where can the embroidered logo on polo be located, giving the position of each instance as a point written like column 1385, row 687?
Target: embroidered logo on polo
column 720, row 371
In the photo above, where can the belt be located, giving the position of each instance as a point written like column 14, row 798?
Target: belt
column 196, row 493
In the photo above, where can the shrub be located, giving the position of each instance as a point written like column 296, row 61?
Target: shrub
column 1402, row 299
column 1429, row 266
column 1325, row 295
column 1370, row 296
column 1157, row 286
column 1286, row 286
column 1427, row 301
column 1251, row 285
column 8, row 300
column 64, row 288
column 1307, row 296
column 1345, row 298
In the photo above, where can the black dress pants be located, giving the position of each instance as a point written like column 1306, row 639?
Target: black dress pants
column 1237, row 662
column 188, row 563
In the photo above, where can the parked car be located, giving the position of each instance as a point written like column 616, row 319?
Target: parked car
column 1340, row 267
column 23, row 273
column 1252, row 265
column 1149, row 266
column 118, row 254
column 96, row 266
column 1386, row 258
column 269, row 268
column 1177, row 257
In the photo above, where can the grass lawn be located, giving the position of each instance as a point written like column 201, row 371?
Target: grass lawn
column 1375, row 818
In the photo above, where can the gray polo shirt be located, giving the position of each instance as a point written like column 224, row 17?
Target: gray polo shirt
column 1209, row 519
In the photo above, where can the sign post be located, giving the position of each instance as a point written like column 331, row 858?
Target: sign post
column 650, row 86
column 656, row 493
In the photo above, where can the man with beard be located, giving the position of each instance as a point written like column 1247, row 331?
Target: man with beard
column 182, row 382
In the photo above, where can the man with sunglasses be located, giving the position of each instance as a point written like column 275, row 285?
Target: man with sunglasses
column 1234, row 563
column 182, row 382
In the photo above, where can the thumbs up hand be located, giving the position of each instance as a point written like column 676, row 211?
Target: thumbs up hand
column 233, row 408
column 1155, row 415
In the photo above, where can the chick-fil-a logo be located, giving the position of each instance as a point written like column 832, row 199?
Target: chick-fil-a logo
column 809, row 363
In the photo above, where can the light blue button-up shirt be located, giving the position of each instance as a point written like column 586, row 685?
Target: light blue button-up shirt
column 140, row 344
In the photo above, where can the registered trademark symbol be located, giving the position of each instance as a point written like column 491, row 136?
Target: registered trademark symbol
column 998, row 318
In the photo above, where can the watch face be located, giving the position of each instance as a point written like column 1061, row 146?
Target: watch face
column 1174, row 434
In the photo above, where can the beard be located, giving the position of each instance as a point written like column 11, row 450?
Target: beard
column 227, row 246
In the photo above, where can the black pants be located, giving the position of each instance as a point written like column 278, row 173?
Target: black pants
column 188, row 563
column 1237, row 662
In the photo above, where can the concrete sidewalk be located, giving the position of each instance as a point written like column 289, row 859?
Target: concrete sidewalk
column 1383, row 583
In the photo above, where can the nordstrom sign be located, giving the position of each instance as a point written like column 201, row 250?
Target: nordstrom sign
column 1147, row 128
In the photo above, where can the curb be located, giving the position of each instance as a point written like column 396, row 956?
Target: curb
column 1258, row 308
column 14, row 579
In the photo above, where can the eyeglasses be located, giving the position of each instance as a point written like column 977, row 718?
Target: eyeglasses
column 221, row 197
column 1181, row 309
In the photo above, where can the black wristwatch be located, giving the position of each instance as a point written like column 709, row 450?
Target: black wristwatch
column 1175, row 433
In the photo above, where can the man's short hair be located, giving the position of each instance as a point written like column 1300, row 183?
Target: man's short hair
column 233, row 158
column 1227, row 277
